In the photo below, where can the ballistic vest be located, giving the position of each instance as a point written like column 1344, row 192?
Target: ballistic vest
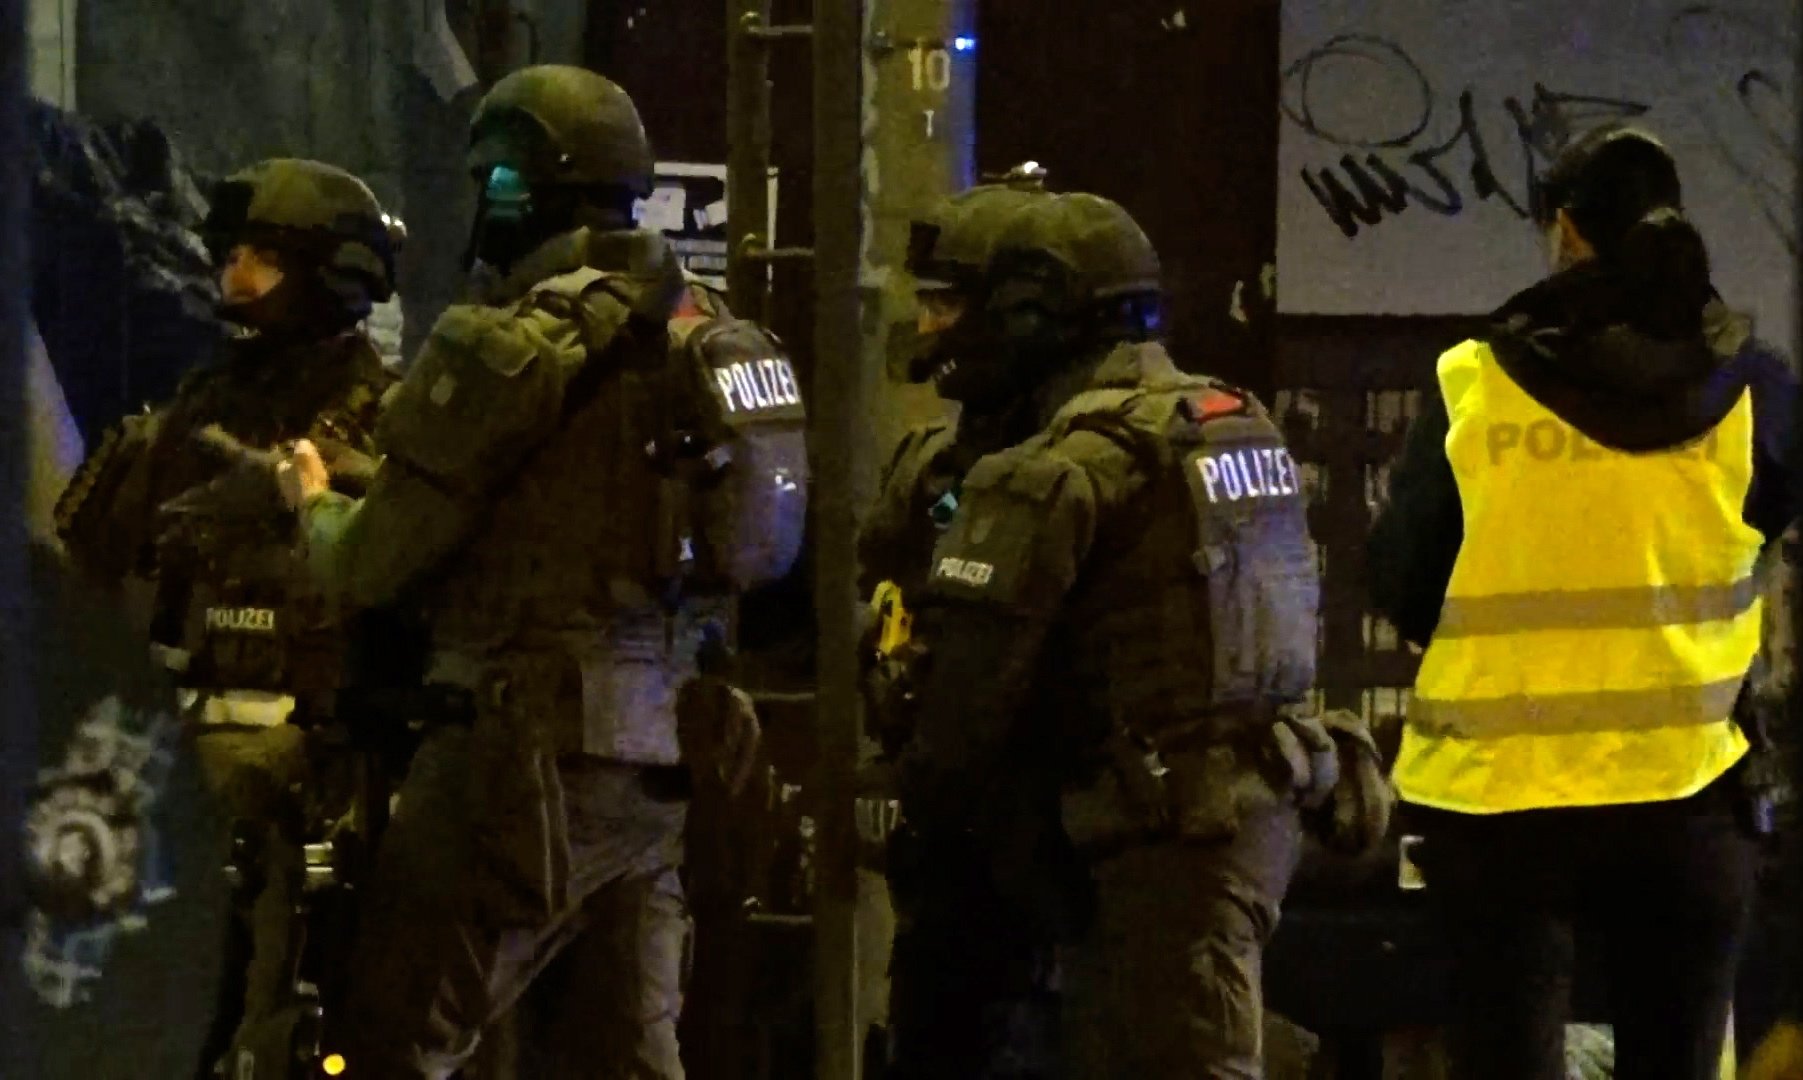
column 1206, row 618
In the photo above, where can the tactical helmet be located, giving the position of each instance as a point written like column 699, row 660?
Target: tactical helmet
column 1065, row 274
column 951, row 247
column 950, row 250
column 560, row 126
column 317, row 215
column 1086, row 251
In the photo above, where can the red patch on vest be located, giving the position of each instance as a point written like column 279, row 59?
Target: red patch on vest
column 1215, row 403
column 688, row 307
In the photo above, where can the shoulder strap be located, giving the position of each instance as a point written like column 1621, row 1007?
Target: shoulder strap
column 567, row 295
column 1130, row 417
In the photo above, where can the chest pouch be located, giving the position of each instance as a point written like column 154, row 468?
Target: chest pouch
column 261, row 626
column 1254, row 551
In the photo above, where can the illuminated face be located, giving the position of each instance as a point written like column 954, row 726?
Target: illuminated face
column 940, row 309
column 249, row 274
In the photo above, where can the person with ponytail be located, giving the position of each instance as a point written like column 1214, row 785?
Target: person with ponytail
column 1572, row 535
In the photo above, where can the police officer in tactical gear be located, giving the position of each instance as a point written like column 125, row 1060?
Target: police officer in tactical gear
column 304, row 250
column 533, row 493
column 1125, row 603
column 971, row 992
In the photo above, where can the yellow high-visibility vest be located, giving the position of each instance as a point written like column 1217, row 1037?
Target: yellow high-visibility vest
column 1602, row 612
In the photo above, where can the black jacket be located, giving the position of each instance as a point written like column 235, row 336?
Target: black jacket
column 1570, row 342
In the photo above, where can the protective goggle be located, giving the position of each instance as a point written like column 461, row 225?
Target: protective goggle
column 505, row 193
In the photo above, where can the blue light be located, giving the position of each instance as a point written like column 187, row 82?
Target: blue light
column 964, row 44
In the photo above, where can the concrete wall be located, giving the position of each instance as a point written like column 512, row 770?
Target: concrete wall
column 344, row 81
column 50, row 31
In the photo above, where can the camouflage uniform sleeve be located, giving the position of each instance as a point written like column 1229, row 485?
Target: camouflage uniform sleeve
column 487, row 388
column 105, row 514
column 346, row 432
column 1029, row 521
column 895, row 540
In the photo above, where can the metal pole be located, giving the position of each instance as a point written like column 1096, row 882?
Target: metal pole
column 18, row 724
column 920, row 120
column 840, row 447
column 1792, row 882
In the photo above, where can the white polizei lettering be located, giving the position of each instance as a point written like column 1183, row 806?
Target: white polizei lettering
column 787, row 373
column 727, row 390
column 1211, row 475
column 245, row 620
column 1248, row 471
column 1255, row 474
column 761, row 382
column 1231, row 479
column 742, row 380
column 757, row 385
column 967, row 571
column 773, row 382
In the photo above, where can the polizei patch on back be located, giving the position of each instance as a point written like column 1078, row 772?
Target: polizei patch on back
column 752, row 417
column 757, row 385
column 1262, row 472
column 241, row 620
column 965, row 571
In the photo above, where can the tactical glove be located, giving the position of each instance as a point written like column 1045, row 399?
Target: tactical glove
column 1355, row 819
column 1310, row 757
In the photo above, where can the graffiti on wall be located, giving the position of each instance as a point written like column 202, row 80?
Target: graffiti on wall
column 1434, row 150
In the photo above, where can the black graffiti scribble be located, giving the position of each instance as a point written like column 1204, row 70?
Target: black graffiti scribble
column 1362, row 190
column 1369, row 49
column 1389, row 166
column 1755, row 145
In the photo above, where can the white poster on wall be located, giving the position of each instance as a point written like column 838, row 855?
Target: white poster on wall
column 1412, row 131
column 688, row 205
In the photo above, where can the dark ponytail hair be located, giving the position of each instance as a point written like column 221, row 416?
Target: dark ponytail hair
column 1620, row 187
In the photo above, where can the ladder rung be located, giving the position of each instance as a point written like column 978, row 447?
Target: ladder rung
column 779, row 920
column 782, row 697
column 758, row 254
column 772, row 33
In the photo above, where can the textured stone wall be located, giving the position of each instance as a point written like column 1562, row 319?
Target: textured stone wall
column 337, row 80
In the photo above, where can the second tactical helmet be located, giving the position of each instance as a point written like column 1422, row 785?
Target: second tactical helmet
column 950, row 250
column 562, row 126
column 1083, row 262
column 545, row 142
column 337, row 243
column 1067, row 274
